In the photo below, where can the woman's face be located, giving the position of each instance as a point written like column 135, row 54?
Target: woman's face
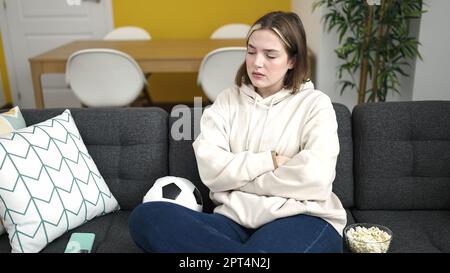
column 267, row 61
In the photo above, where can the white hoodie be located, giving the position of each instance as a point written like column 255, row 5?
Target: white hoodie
column 233, row 152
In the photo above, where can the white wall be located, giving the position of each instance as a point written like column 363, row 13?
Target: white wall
column 323, row 45
column 310, row 21
column 432, row 74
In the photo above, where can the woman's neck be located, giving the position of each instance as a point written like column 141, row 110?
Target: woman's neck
column 266, row 93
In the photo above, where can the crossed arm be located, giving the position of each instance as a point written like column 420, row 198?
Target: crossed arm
column 308, row 175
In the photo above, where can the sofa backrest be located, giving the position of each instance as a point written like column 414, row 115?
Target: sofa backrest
column 182, row 160
column 128, row 145
column 343, row 183
column 400, row 158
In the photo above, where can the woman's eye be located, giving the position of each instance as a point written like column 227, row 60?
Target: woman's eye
column 271, row 57
column 250, row 52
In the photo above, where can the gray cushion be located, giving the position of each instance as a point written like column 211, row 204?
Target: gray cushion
column 343, row 183
column 128, row 145
column 118, row 239
column 111, row 235
column 402, row 155
column 414, row 231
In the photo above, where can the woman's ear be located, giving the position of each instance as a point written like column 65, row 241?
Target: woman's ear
column 292, row 61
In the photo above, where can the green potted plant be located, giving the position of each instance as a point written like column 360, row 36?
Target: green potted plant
column 374, row 41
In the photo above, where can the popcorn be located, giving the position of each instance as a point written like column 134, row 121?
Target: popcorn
column 368, row 240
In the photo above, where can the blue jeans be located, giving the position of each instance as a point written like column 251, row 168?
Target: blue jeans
column 168, row 227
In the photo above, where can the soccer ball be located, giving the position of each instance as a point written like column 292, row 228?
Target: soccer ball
column 177, row 190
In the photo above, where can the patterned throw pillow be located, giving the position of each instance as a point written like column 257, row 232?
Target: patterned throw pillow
column 10, row 121
column 49, row 184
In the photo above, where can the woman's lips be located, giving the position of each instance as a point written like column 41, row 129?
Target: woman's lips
column 258, row 75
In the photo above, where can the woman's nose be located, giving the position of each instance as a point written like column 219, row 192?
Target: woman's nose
column 259, row 60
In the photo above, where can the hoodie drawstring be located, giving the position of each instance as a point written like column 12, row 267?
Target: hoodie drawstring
column 251, row 94
column 264, row 124
column 247, row 142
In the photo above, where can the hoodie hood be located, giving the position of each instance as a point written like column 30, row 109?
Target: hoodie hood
column 254, row 97
column 248, row 91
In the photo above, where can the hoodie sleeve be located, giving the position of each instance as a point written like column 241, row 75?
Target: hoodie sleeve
column 219, row 168
column 310, row 173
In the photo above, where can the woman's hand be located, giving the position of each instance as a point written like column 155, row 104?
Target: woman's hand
column 281, row 160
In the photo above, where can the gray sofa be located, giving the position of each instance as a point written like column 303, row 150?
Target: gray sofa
column 393, row 168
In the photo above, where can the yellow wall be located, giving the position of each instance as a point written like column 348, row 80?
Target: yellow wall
column 177, row 19
column 3, row 72
column 186, row 19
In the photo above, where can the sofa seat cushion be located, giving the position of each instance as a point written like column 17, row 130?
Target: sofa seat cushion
column 118, row 239
column 111, row 235
column 421, row 231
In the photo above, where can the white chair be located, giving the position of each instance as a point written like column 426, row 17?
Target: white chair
column 128, row 33
column 231, row 31
column 131, row 33
column 104, row 77
column 218, row 70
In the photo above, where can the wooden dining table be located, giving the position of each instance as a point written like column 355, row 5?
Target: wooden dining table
column 154, row 56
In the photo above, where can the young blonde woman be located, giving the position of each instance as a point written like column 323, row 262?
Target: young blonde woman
column 267, row 151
